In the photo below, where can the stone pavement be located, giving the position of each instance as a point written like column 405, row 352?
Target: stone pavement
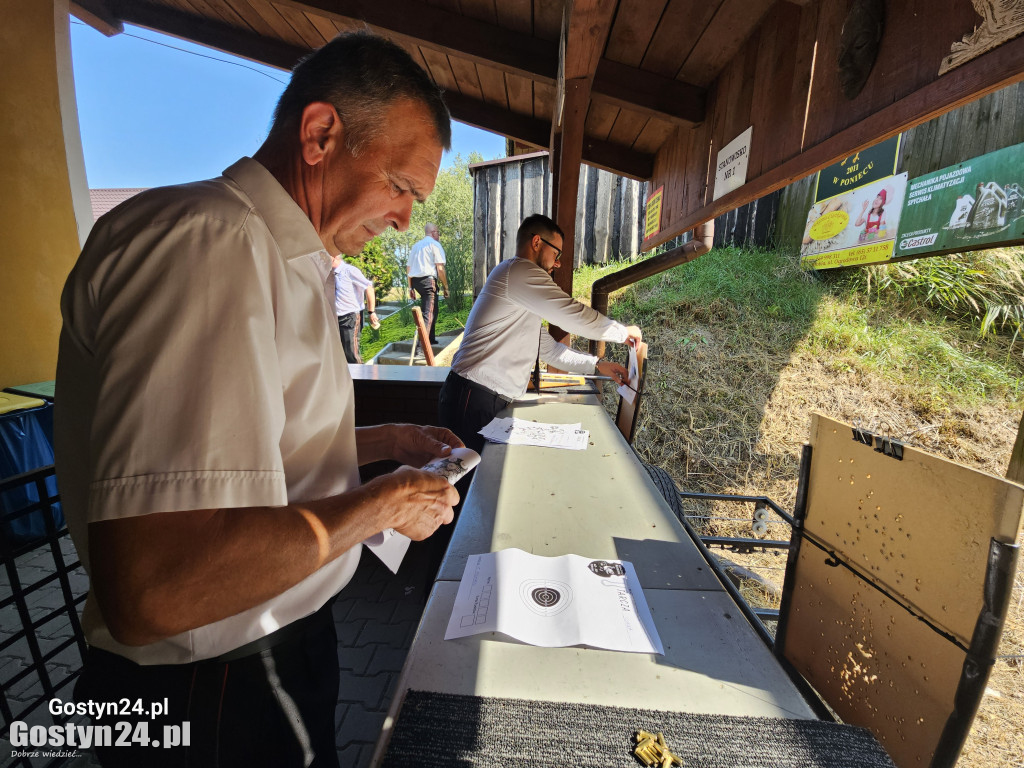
column 376, row 616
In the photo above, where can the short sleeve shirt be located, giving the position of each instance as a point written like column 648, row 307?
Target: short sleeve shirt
column 200, row 368
column 424, row 257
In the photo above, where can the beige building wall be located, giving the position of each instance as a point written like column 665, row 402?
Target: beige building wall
column 42, row 178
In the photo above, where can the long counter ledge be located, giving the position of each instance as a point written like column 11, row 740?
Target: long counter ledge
column 597, row 503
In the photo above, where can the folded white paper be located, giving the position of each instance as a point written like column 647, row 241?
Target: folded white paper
column 390, row 545
column 554, row 602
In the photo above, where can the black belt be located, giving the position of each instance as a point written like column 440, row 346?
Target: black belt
column 462, row 381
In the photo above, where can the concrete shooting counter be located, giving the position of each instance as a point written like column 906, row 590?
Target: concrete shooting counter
column 596, row 503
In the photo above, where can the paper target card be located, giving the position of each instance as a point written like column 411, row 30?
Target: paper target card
column 554, row 602
column 390, row 545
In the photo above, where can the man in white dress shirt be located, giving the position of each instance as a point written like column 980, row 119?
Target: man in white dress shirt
column 350, row 288
column 206, row 445
column 426, row 268
column 504, row 336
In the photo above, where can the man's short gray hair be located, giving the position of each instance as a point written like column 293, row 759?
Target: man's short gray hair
column 360, row 74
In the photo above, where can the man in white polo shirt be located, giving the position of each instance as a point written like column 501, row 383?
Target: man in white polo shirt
column 426, row 267
column 206, row 446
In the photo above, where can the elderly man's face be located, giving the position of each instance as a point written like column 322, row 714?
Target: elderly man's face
column 364, row 195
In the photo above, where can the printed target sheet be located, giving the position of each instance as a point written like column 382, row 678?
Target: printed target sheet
column 554, row 602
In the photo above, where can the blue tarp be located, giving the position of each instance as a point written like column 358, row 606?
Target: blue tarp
column 26, row 443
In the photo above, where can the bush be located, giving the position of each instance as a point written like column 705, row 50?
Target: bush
column 376, row 265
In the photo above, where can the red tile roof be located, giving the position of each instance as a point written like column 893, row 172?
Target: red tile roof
column 104, row 199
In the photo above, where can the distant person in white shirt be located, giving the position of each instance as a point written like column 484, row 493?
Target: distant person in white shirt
column 426, row 267
column 350, row 287
column 504, row 336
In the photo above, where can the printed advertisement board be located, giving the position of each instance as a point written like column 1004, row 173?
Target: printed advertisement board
column 966, row 206
column 858, row 170
column 857, row 227
column 652, row 217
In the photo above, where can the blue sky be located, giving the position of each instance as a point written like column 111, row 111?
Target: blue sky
column 152, row 115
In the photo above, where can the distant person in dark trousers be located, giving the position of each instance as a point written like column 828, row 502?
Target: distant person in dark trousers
column 350, row 288
column 426, row 267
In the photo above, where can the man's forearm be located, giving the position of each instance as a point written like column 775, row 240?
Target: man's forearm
column 161, row 574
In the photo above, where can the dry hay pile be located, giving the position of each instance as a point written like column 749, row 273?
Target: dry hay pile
column 729, row 414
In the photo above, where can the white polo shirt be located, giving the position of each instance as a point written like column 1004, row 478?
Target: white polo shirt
column 424, row 257
column 200, row 368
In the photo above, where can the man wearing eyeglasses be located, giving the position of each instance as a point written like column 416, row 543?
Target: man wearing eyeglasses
column 504, row 336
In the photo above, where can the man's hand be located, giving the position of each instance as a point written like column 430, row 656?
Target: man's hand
column 418, row 502
column 412, row 293
column 633, row 334
column 614, row 371
column 415, row 445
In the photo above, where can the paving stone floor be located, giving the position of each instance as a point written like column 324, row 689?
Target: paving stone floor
column 376, row 616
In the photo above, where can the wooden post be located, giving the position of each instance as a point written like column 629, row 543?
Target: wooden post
column 421, row 332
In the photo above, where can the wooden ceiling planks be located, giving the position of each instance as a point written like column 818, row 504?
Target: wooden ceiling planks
column 627, row 128
column 493, row 87
column 653, row 136
column 254, row 18
column 600, row 120
column 519, row 91
column 440, row 69
column 302, row 26
column 516, row 15
column 270, row 17
column 732, row 25
column 481, row 10
column 547, row 19
column 465, row 73
column 633, row 29
column 675, row 36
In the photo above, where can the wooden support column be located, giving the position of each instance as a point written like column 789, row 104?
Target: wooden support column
column 585, row 29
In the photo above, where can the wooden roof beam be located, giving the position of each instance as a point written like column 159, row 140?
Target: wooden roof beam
column 435, row 28
column 97, row 15
column 653, row 95
column 529, row 130
column 214, row 34
column 444, row 31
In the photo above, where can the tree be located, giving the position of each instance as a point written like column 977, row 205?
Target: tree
column 450, row 206
column 377, row 265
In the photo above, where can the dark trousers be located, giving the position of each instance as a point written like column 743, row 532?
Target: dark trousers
column 348, row 325
column 465, row 408
column 271, row 709
column 426, row 287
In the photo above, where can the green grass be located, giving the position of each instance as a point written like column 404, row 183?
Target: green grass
column 396, row 328
column 767, row 305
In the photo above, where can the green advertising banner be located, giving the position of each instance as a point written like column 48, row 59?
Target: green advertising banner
column 857, row 227
column 858, row 170
column 966, row 206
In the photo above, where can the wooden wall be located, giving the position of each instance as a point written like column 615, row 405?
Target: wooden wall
column 985, row 125
column 608, row 212
column 784, row 83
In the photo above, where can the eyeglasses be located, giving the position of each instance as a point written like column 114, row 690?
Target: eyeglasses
column 558, row 251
